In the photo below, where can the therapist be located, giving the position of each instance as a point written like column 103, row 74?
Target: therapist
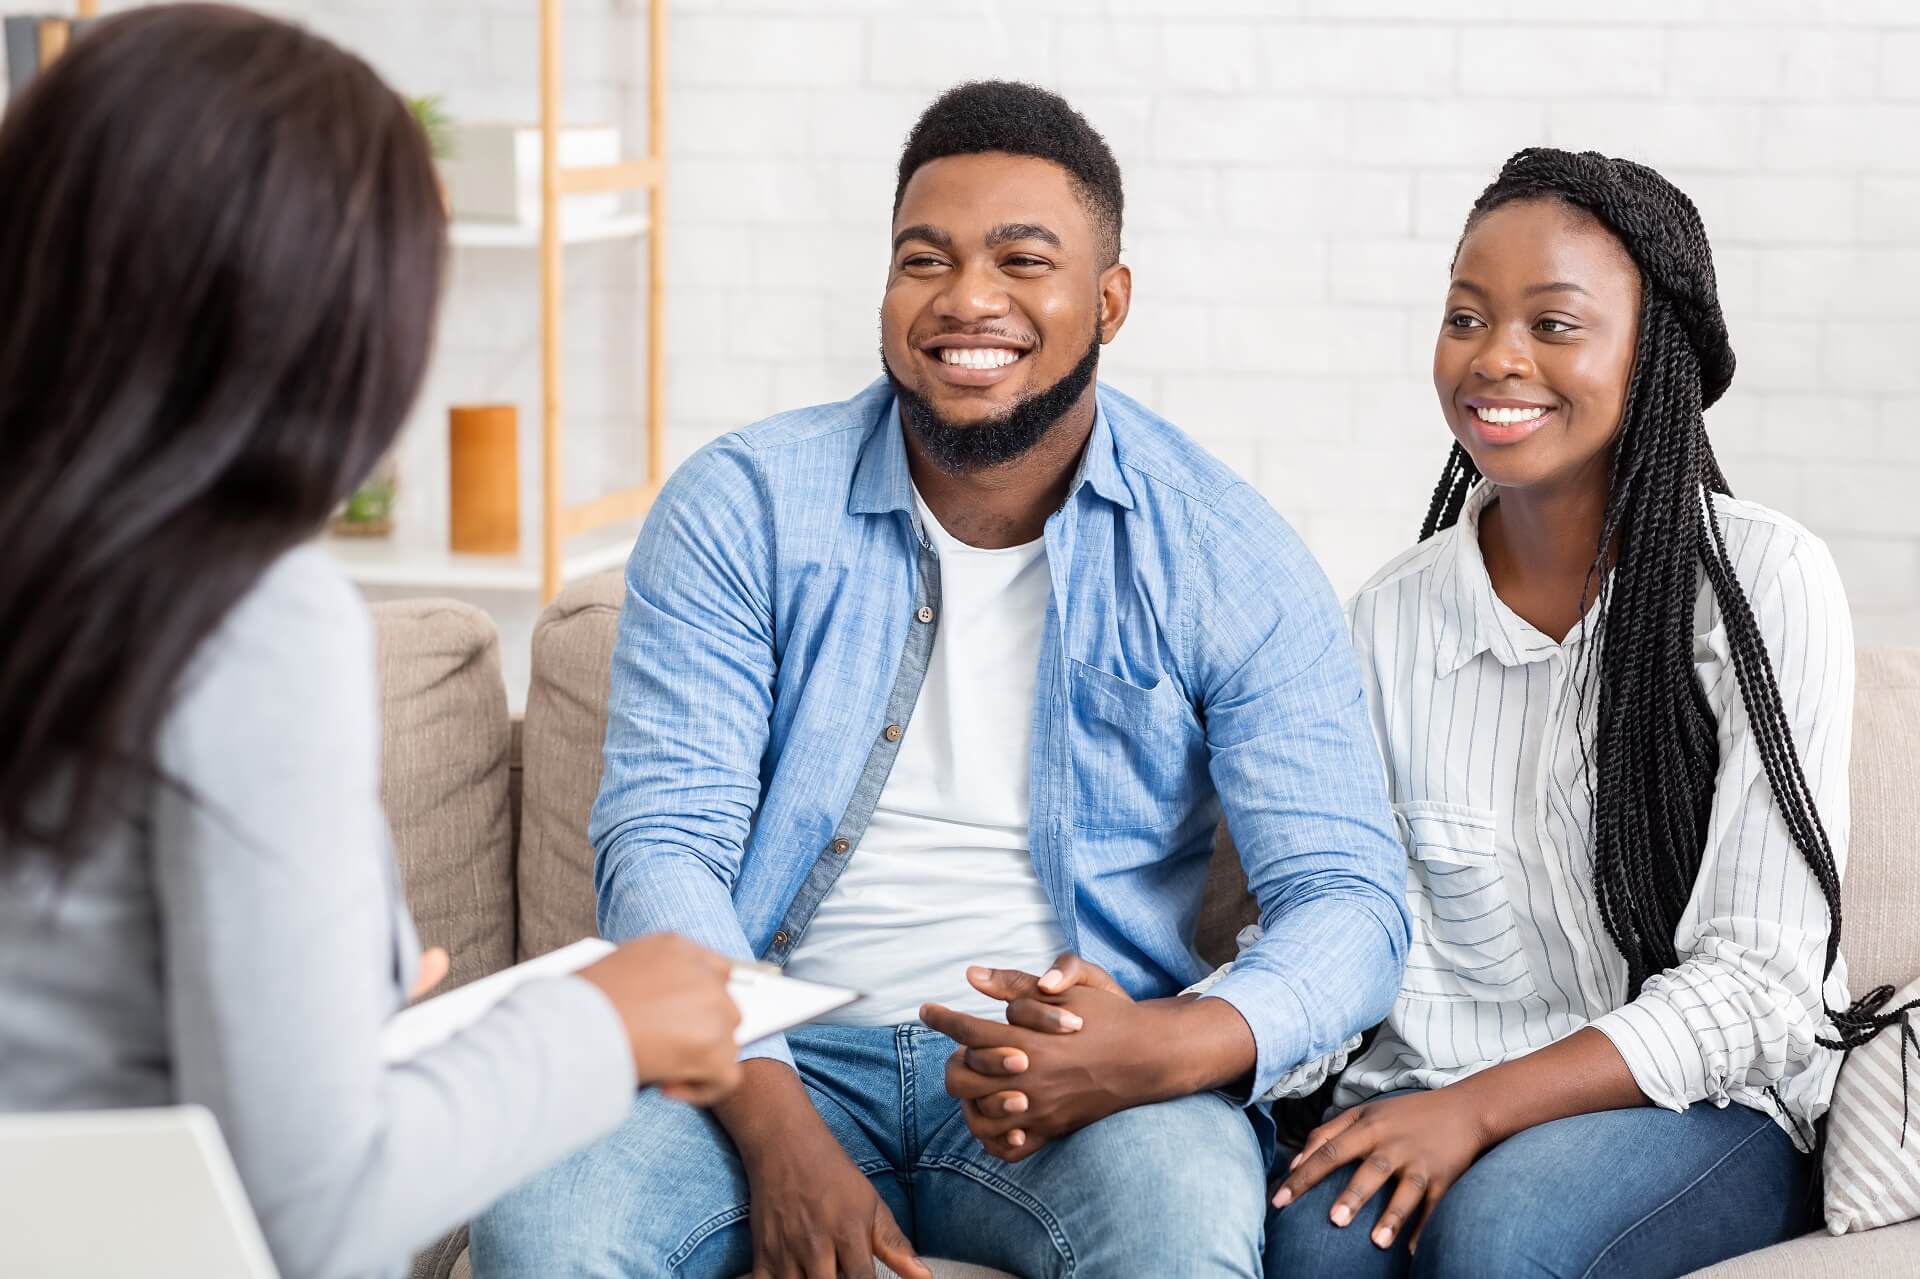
column 221, row 246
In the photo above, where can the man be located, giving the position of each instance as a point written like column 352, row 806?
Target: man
column 959, row 672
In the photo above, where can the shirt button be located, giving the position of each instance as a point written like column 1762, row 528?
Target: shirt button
column 893, row 733
column 841, row 846
column 925, row 614
column 780, row 938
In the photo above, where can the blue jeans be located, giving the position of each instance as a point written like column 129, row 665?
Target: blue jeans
column 1167, row 1190
column 1627, row 1193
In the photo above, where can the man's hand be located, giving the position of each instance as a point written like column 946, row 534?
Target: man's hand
column 1423, row 1141
column 813, row 1215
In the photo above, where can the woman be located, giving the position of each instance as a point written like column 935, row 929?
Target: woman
column 221, row 250
column 1615, row 706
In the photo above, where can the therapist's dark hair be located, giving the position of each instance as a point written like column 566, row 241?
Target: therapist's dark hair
column 221, row 244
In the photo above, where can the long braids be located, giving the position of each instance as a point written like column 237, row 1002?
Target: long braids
column 1653, row 745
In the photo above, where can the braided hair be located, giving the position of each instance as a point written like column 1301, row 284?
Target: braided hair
column 1653, row 747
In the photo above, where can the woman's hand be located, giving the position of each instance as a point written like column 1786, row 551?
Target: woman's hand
column 672, row 995
column 1424, row 1141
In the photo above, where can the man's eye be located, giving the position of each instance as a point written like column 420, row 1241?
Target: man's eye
column 921, row 259
column 1026, row 260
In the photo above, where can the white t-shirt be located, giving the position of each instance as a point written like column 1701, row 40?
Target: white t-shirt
column 943, row 877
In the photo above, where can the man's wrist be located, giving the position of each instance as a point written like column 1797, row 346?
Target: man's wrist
column 1199, row 1045
column 770, row 1114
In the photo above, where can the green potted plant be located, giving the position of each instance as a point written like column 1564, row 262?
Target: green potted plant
column 368, row 512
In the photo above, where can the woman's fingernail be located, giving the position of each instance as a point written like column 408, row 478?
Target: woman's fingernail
column 1295, row 1162
column 1342, row 1214
column 1017, row 1104
column 1016, row 1138
column 1053, row 978
column 977, row 974
column 1382, row 1237
column 1016, row 1062
column 1283, row 1198
column 1071, row 1021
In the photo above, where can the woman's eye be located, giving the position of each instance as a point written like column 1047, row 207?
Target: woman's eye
column 1462, row 320
column 1557, row 326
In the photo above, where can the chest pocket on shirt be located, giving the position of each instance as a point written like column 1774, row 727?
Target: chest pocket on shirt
column 1466, row 941
column 1129, row 747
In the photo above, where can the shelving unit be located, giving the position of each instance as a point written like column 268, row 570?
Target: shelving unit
column 585, row 537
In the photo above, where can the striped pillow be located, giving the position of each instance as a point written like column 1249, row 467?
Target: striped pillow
column 1872, row 1162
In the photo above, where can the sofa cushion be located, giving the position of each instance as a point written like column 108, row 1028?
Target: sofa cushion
column 1882, row 888
column 445, row 736
column 566, row 722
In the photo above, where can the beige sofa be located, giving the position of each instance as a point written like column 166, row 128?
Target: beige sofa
column 489, row 817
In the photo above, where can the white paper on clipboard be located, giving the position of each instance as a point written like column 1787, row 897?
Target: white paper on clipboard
column 768, row 1001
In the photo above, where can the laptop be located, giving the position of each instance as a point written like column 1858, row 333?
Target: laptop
column 112, row 1194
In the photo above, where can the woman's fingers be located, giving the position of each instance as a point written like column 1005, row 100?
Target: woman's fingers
column 1315, row 1163
column 1367, row 1178
column 1405, row 1201
column 1430, row 1200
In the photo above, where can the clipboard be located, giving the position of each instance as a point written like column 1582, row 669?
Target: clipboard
column 769, row 1001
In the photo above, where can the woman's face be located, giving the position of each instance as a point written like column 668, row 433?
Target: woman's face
column 1536, row 346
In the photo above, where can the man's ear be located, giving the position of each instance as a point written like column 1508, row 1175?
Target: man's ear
column 1116, row 299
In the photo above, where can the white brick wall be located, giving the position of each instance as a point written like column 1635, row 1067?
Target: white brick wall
column 1297, row 171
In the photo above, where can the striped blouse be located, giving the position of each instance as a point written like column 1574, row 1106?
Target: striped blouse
column 1476, row 711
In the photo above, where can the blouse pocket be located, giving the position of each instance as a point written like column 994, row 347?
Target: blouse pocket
column 1466, row 941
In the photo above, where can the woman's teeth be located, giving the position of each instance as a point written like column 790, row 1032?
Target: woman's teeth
column 978, row 357
column 1508, row 417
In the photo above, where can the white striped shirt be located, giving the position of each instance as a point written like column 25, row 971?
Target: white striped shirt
column 1475, row 711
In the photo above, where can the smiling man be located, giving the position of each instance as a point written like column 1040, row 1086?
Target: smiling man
column 960, row 672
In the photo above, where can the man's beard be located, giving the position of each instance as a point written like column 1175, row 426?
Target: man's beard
column 999, row 439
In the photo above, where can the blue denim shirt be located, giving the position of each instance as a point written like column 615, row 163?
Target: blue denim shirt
column 780, row 607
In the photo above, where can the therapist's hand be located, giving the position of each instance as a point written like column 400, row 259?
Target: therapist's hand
column 434, row 963
column 672, row 996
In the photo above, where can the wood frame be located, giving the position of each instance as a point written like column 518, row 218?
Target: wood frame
column 559, row 521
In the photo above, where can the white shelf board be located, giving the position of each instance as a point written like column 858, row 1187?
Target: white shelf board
column 471, row 233
column 393, row 563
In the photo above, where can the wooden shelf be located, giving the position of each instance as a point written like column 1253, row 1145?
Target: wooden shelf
column 474, row 234
column 401, row 564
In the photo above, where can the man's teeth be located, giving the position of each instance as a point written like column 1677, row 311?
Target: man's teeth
column 1508, row 417
column 978, row 357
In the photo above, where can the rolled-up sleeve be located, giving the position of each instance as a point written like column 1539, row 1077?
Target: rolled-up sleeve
column 1293, row 756
column 689, row 701
column 1745, row 1002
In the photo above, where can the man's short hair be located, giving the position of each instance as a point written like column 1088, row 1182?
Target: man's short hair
column 1020, row 119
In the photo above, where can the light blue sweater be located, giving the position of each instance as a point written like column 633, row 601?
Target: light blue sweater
column 241, row 944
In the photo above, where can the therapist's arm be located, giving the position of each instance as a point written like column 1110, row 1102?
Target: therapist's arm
column 276, row 891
